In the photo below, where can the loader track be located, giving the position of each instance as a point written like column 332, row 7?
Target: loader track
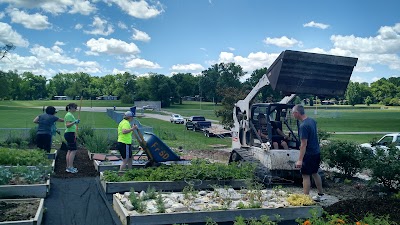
column 262, row 173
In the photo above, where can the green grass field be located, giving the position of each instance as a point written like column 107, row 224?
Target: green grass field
column 330, row 119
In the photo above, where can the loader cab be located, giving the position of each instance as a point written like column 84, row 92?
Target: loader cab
column 277, row 116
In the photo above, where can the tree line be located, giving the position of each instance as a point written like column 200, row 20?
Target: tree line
column 221, row 83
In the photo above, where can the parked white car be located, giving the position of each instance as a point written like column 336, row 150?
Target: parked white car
column 176, row 118
column 384, row 142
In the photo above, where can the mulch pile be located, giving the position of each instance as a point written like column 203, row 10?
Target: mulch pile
column 357, row 209
column 82, row 163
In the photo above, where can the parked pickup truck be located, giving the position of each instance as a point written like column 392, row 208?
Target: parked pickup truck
column 384, row 142
column 197, row 123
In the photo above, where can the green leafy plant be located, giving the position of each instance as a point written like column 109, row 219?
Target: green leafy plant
column 160, row 203
column 198, row 170
column 346, row 156
column 136, row 201
column 84, row 133
column 23, row 175
column 337, row 219
column 151, row 193
column 97, row 143
column 385, row 167
column 15, row 157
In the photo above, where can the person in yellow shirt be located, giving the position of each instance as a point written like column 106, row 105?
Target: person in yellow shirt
column 124, row 145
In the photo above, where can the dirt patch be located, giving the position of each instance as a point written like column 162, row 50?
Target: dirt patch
column 18, row 210
column 217, row 155
column 82, row 163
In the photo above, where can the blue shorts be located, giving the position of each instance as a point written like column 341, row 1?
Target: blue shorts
column 310, row 164
column 125, row 150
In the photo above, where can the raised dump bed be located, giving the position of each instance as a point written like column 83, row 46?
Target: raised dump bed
column 305, row 73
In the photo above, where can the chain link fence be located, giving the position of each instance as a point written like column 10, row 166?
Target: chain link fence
column 110, row 134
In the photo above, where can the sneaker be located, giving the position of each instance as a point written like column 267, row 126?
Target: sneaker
column 319, row 198
column 71, row 170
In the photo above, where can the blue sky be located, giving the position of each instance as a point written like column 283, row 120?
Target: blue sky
column 103, row 37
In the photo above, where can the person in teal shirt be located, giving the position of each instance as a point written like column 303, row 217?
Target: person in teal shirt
column 124, row 145
column 70, row 136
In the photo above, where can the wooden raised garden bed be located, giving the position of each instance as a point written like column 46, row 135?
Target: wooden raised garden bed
column 21, row 206
column 287, row 213
column 102, row 166
column 52, row 155
column 118, row 187
column 25, row 190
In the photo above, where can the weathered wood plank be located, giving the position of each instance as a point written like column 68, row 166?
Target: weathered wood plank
column 289, row 213
column 27, row 190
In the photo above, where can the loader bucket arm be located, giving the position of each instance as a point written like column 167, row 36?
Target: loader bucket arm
column 296, row 72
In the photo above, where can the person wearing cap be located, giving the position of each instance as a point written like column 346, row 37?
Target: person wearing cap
column 45, row 123
column 124, row 145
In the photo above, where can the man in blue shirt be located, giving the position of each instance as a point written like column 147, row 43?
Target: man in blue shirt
column 309, row 158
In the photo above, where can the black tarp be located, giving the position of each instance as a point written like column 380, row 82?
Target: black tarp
column 78, row 201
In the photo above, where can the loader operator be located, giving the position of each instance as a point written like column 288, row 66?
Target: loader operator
column 278, row 137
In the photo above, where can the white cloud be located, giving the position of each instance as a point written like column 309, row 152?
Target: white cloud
column 77, row 50
column 316, row 25
column 187, row 67
column 139, row 9
column 59, row 43
column 78, row 26
column 282, row 41
column 9, row 36
column 41, row 60
column 142, row 63
column 387, row 41
column 253, row 61
column 111, row 46
column 99, row 27
column 2, row 15
column 122, row 25
column 231, row 49
column 54, row 55
column 30, row 21
column 117, row 71
column 83, row 7
column 140, row 35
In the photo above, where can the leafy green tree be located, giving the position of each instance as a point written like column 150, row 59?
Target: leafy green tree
column 4, row 85
column 353, row 93
column 368, row 100
column 187, row 85
column 382, row 89
column 266, row 93
column 228, row 103
column 33, row 87
column 161, row 89
column 218, row 77
column 143, row 89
